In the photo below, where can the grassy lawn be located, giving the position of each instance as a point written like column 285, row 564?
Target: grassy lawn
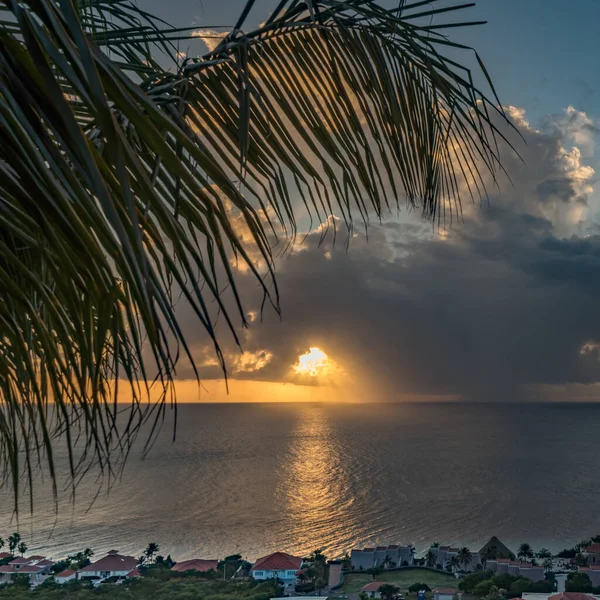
column 403, row 579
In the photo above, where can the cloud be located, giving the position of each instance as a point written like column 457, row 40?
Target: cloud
column 210, row 37
column 499, row 307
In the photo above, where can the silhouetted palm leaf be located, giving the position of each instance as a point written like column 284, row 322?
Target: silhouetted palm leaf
column 124, row 170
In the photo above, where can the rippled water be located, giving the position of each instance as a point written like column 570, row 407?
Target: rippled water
column 257, row 478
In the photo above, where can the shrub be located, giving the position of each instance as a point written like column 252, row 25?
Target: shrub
column 468, row 583
column 417, row 587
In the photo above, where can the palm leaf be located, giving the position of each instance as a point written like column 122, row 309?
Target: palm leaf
column 123, row 170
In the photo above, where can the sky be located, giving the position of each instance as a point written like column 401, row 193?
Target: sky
column 500, row 307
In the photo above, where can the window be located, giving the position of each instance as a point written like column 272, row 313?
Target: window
column 258, row 573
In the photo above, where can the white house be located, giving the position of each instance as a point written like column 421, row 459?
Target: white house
column 112, row 565
column 372, row 589
column 64, row 576
column 443, row 593
column 36, row 567
column 279, row 565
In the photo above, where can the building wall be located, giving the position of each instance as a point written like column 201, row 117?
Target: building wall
column 283, row 575
column 534, row 573
column 361, row 561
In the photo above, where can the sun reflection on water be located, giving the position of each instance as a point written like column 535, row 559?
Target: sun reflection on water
column 315, row 487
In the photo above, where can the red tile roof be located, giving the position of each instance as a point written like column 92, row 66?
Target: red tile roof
column 393, row 547
column 29, row 569
column 444, row 591
column 381, row 548
column 20, row 561
column 37, row 557
column 372, row 587
column 571, row 596
column 594, row 549
column 278, row 561
column 6, row 569
column 5, row 555
column 112, row 562
column 66, row 573
column 45, row 563
column 368, row 549
column 196, row 564
column 134, row 573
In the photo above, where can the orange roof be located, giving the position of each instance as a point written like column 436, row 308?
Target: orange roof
column 594, row 549
column 66, row 573
column 196, row 564
column 134, row 573
column 571, row 596
column 444, row 591
column 112, row 562
column 278, row 561
column 373, row 586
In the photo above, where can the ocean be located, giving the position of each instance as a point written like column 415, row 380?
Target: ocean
column 255, row 478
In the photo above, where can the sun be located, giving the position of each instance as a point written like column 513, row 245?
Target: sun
column 314, row 362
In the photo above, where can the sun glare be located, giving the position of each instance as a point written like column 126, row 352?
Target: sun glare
column 314, row 362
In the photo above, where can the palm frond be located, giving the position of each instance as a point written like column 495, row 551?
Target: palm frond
column 121, row 167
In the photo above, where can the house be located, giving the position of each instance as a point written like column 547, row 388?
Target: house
column 195, row 564
column 36, row 567
column 372, row 589
column 383, row 557
column 444, row 556
column 593, row 573
column 64, row 576
column 112, row 565
column 516, row 568
column 4, row 555
column 592, row 553
column 443, row 593
column 279, row 565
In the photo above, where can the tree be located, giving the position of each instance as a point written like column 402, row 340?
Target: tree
column 525, row 552
column 346, row 562
column 430, row 558
column 13, row 542
column 454, row 563
column 544, row 553
column 548, row 564
column 320, row 583
column 417, row 587
column 22, row 548
column 151, row 549
column 580, row 560
column 468, row 583
column 579, row 582
column 1, row 543
column 388, row 591
column 483, row 588
column 464, row 556
column 142, row 169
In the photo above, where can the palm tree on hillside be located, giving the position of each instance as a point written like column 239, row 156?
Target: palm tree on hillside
column 455, row 563
column 430, row 558
column 548, row 564
column 151, row 550
column 464, row 556
column 1, row 543
column 133, row 175
column 13, row 542
column 525, row 552
column 544, row 553
column 22, row 548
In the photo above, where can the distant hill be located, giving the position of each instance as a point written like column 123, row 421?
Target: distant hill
column 495, row 549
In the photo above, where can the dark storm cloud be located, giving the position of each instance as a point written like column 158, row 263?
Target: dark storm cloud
column 508, row 298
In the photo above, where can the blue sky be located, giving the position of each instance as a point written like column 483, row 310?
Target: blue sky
column 542, row 53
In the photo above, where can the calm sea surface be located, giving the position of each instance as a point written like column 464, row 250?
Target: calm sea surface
column 258, row 478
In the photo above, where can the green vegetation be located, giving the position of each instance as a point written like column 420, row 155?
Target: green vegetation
column 580, row 582
column 577, row 548
column 485, row 584
column 146, row 588
column 402, row 579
